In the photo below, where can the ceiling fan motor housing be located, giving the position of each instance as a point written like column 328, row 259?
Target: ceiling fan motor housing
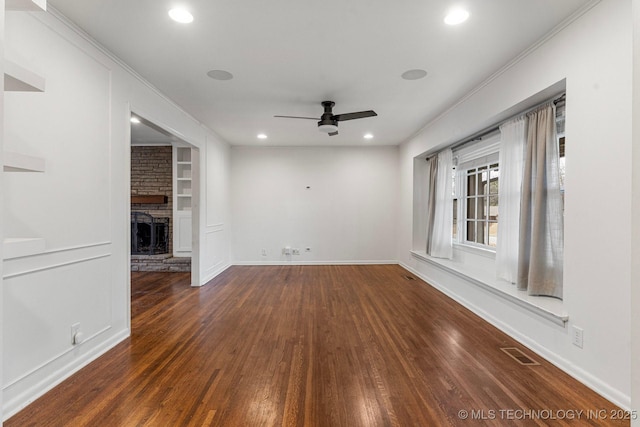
column 327, row 123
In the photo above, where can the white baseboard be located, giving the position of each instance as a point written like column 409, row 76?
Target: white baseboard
column 342, row 262
column 594, row 383
column 213, row 274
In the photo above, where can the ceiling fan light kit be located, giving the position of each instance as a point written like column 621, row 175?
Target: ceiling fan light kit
column 329, row 122
column 327, row 128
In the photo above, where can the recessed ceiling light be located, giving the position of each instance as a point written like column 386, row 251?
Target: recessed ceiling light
column 262, row 136
column 414, row 74
column 456, row 16
column 368, row 136
column 181, row 15
column 220, row 75
column 134, row 119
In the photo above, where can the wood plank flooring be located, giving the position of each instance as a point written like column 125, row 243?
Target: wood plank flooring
column 310, row 346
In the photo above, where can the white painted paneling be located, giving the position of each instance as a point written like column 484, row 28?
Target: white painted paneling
column 38, row 321
column 216, row 250
column 593, row 54
column 217, row 170
column 183, row 234
column 340, row 202
column 69, row 126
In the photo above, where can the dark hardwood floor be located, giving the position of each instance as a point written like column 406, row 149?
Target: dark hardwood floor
column 311, row 346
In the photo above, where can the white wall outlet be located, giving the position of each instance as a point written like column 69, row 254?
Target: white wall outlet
column 577, row 336
column 296, row 251
column 263, row 252
column 286, row 250
column 75, row 330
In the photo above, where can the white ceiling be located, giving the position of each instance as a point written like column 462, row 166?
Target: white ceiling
column 147, row 133
column 289, row 55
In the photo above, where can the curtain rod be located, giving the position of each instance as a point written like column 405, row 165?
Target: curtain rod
column 557, row 99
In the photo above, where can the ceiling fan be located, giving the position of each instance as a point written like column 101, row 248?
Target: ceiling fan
column 329, row 122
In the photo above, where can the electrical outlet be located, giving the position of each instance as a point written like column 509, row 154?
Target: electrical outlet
column 75, row 330
column 296, row 251
column 577, row 336
column 264, row 252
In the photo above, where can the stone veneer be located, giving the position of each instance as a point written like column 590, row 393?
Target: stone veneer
column 164, row 262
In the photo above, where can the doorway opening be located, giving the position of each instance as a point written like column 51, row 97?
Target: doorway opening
column 163, row 193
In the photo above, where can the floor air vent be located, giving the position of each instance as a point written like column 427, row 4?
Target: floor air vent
column 519, row 356
column 409, row 277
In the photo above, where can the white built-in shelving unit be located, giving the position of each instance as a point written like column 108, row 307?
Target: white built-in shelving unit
column 18, row 78
column 182, row 187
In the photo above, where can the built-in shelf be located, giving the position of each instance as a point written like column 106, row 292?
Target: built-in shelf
column 26, row 5
column 182, row 186
column 15, row 247
column 19, row 79
column 182, row 221
column 16, row 162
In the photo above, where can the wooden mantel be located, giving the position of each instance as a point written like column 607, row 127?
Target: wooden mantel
column 149, row 199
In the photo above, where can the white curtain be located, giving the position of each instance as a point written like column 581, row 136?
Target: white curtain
column 512, row 143
column 439, row 241
column 541, row 251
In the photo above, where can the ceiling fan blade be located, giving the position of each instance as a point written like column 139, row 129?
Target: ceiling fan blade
column 351, row 116
column 296, row 117
column 333, row 133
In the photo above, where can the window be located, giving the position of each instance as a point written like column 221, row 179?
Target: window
column 475, row 199
column 481, row 205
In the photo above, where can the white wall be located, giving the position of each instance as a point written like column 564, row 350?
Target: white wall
column 80, row 205
column 594, row 55
column 635, row 232
column 1, row 194
column 214, row 232
column 347, row 215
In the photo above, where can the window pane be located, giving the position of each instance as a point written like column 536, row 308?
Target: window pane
column 471, row 207
column 493, row 208
column 482, row 207
column 471, row 185
column 480, row 237
column 493, row 233
column 484, row 188
column 493, row 186
column 471, row 231
column 454, row 232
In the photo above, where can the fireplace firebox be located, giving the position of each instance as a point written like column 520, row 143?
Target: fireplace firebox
column 149, row 235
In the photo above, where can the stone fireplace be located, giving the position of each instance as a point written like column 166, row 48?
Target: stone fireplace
column 152, row 211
